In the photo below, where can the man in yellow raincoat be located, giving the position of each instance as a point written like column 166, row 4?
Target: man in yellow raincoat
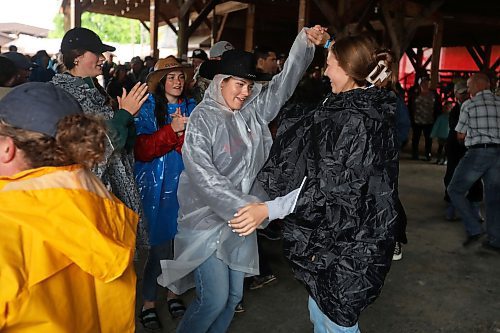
column 66, row 243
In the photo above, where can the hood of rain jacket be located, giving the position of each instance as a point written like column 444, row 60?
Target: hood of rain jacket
column 66, row 254
column 116, row 171
column 340, row 239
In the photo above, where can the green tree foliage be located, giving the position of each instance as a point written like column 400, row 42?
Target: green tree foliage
column 109, row 28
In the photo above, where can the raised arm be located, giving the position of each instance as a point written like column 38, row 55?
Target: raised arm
column 282, row 86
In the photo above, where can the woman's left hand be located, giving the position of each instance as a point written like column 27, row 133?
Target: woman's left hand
column 132, row 101
column 248, row 218
column 317, row 35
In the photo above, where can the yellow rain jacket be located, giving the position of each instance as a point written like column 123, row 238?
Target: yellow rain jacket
column 66, row 250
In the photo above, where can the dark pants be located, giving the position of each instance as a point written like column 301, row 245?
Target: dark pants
column 153, row 269
column 454, row 152
column 264, row 268
column 417, row 132
column 400, row 230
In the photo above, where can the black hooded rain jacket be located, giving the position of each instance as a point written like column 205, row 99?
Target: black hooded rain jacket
column 340, row 238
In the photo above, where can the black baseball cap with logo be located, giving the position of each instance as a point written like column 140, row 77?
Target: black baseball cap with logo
column 85, row 39
column 200, row 54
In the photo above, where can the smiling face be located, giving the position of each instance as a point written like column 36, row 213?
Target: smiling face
column 89, row 64
column 174, row 85
column 339, row 80
column 235, row 91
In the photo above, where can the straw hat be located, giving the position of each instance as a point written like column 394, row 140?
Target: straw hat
column 162, row 68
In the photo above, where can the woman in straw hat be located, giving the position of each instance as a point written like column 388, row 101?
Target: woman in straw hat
column 226, row 144
column 160, row 127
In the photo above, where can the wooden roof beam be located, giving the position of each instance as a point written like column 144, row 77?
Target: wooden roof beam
column 202, row 16
column 493, row 68
column 366, row 15
column 184, row 6
column 168, row 22
column 412, row 27
column 199, row 8
column 329, row 12
column 221, row 27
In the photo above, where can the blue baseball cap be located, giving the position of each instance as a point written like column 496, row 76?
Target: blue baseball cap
column 37, row 107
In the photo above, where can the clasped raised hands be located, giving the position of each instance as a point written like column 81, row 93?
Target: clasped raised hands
column 133, row 101
column 317, row 35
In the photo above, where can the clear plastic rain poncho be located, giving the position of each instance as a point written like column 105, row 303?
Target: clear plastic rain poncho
column 223, row 152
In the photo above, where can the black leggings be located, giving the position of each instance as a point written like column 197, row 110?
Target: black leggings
column 417, row 131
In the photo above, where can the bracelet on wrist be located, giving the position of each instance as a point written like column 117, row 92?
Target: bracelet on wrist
column 328, row 43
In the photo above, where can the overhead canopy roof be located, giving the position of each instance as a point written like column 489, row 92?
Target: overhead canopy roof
column 465, row 22
column 4, row 38
column 19, row 28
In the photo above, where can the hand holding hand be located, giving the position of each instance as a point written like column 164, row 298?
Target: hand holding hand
column 248, row 218
column 133, row 101
column 317, row 35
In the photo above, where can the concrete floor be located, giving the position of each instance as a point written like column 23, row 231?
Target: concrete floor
column 439, row 286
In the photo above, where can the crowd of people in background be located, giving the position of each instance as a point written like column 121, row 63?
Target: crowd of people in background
column 183, row 147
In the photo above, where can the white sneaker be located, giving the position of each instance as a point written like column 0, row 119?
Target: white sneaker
column 398, row 252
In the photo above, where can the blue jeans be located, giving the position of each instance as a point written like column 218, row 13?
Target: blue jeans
column 323, row 324
column 218, row 290
column 478, row 163
column 153, row 269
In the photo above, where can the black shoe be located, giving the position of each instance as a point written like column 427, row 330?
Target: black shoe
column 398, row 252
column 488, row 246
column 176, row 307
column 239, row 308
column 260, row 281
column 471, row 240
column 149, row 319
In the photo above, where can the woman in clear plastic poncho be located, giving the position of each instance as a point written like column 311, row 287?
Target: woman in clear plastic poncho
column 227, row 142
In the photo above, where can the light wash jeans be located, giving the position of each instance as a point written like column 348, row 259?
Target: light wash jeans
column 478, row 163
column 218, row 290
column 323, row 324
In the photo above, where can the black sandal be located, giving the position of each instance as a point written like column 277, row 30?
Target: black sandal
column 176, row 307
column 149, row 319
